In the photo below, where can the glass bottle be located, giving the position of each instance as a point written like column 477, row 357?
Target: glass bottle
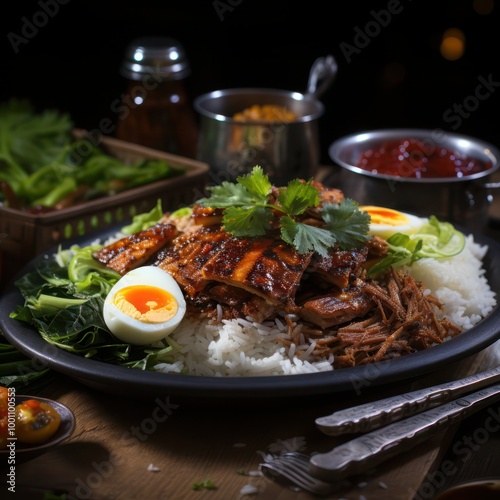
column 155, row 109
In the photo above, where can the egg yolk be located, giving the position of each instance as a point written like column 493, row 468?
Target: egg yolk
column 146, row 303
column 386, row 216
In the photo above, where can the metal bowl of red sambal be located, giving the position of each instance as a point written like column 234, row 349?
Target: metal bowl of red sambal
column 423, row 171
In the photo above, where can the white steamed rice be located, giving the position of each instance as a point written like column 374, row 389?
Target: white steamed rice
column 243, row 348
column 239, row 347
column 459, row 283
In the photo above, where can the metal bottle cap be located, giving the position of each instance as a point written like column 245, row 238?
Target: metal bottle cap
column 163, row 57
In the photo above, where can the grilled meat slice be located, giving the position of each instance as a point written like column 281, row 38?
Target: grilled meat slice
column 328, row 194
column 377, row 246
column 132, row 251
column 207, row 216
column 236, row 303
column 338, row 266
column 185, row 257
column 337, row 307
column 266, row 267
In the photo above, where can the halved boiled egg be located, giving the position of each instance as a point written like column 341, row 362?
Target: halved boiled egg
column 386, row 221
column 144, row 306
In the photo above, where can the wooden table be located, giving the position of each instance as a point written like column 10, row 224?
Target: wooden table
column 137, row 449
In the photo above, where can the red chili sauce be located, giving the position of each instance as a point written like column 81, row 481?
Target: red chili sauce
column 415, row 158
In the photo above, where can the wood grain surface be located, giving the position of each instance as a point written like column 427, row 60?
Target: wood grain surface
column 135, row 449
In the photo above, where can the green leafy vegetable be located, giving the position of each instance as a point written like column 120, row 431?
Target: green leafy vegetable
column 298, row 197
column 141, row 222
column 17, row 370
column 435, row 240
column 247, row 220
column 306, row 238
column 63, row 300
column 249, row 209
column 29, row 141
column 43, row 165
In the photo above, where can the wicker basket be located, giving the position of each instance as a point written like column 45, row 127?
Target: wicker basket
column 23, row 236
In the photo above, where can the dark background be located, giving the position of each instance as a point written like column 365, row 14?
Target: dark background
column 399, row 79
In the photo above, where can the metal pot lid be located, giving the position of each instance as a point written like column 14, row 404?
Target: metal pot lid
column 163, row 57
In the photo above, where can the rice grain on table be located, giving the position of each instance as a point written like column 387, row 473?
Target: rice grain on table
column 242, row 347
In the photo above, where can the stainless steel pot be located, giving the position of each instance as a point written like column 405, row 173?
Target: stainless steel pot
column 464, row 201
column 284, row 150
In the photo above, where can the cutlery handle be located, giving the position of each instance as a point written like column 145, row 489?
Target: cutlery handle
column 373, row 448
column 369, row 416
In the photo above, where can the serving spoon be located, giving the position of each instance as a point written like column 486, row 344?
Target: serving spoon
column 322, row 473
column 373, row 415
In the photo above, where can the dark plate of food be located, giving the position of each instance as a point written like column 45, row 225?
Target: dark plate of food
column 302, row 323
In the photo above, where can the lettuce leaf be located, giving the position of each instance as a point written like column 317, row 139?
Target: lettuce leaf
column 435, row 240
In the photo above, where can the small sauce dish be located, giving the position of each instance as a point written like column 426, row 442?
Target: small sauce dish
column 19, row 452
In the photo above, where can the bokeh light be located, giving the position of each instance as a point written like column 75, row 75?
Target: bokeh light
column 452, row 45
column 483, row 7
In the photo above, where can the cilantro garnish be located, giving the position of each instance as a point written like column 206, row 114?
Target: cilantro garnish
column 249, row 210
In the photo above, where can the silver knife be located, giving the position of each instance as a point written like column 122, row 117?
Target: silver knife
column 369, row 416
column 369, row 450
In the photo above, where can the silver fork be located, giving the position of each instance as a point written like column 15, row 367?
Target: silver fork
column 295, row 467
column 320, row 472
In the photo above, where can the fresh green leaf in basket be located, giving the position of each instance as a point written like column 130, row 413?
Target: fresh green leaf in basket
column 43, row 167
column 28, row 141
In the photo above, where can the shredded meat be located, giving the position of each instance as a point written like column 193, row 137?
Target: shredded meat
column 405, row 320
